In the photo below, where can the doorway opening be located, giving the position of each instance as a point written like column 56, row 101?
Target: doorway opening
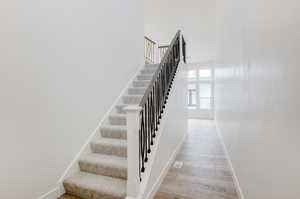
column 200, row 92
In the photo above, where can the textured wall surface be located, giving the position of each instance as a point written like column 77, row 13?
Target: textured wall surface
column 257, row 94
column 62, row 64
column 196, row 18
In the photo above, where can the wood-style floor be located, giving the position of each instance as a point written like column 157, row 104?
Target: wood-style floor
column 205, row 173
column 67, row 196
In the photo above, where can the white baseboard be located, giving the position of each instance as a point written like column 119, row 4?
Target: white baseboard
column 235, row 179
column 53, row 194
column 164, row 172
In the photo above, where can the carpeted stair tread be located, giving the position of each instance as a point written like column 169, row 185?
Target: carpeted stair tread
column 148, row 71
column 92, row 186
column 117, row 119
column 136, row 91
column 132, row 99
column 120, row 108
column 144, row 77
column 109, row 146
column 114, row 131
column 140, row 83
column 107, row 165
column 155, row 66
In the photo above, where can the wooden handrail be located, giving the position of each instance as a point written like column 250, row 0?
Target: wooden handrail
column 164, row 59
column 147, row 38
column 149, row 50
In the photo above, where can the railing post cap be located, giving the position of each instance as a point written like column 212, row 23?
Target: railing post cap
column 132, row 108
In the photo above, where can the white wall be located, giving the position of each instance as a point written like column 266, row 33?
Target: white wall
column 62, row 64
column 257, row 94
column 196, row 18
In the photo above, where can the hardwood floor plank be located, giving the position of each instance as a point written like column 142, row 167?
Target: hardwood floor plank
column 205, row 172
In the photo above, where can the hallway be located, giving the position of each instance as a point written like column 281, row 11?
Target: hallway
column 205, row 173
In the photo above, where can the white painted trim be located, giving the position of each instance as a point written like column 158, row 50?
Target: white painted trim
column 73, row 167
column 53, row 194
column 164, row 172
column 235, row 179
column 133, row 155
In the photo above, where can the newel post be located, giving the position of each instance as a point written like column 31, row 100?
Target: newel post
column 133, row 175
column 181, row 48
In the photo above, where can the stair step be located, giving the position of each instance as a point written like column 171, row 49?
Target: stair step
column 141, row 83
column 113, row 131
column 132, row 99
column 120, row 108
column 106, row 165
column 92, row 186
column 117, row 119
column 144, row 77
column 109, row 146
column 153, row 66
column 136, row 91
column 148, row 71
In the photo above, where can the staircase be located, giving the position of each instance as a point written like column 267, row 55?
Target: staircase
column 103, row 173
column 122, row 152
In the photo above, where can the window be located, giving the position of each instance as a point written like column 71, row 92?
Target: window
column 192, row 75
column 192, row 95
column 200, row 89
column 205, row 74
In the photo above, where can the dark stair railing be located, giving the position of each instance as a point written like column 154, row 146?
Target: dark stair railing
column 161, row 51
column 184, row 49
column 154, row 100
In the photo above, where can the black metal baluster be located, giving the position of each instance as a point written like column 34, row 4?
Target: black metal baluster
column 154, row 101
column 155, row 106
column 148, row 126
column 142, row 142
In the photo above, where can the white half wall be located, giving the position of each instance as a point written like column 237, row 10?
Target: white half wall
column 257, row 94
column 62, row 65
column 173, row 129
column 196, row 19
